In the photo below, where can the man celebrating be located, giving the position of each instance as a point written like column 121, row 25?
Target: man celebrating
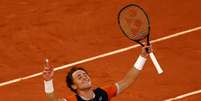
column 79, row 82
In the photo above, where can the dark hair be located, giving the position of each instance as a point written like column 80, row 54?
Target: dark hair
column 69, row 77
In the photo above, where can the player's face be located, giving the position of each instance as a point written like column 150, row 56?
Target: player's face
column 81, row 80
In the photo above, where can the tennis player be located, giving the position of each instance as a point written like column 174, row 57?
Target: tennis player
column 79, row 81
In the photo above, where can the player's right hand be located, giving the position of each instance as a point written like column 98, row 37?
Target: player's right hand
column 48, row 71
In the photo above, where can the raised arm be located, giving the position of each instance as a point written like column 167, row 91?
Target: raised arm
column 132, row 74
column 48, row 73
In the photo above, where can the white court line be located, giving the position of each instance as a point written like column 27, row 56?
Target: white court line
column 99, row 56
column 183, row 96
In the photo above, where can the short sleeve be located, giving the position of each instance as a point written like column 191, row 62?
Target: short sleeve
column 71, row 98
column 111, row 90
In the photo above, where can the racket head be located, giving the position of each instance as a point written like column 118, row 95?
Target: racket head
column 134, row 23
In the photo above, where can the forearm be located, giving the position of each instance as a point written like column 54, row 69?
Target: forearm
column 49, row 90
column 48, row 73
column 128, row 79
column 51, row 97
column 132, row 74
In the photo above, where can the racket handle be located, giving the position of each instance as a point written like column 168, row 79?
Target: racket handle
column 155, row 62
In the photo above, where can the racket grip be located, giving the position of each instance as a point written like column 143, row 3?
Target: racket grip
column 155, row 62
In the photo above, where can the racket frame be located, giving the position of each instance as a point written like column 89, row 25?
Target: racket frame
column 152, row 56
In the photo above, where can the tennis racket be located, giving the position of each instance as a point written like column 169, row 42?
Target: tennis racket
column 134, row 23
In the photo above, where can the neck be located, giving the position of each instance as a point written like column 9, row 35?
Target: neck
column 86, row 94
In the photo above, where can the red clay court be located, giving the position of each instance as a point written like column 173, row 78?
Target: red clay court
column 70, row 31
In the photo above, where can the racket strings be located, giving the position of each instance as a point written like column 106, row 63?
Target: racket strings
column 134, row 23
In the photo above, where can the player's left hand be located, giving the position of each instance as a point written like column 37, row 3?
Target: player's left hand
column 146, row 50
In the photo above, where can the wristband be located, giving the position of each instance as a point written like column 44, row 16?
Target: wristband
column 49, row 86
column 140, row 63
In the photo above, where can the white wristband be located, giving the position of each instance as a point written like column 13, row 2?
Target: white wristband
column 140, row 63
column 49, row 86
